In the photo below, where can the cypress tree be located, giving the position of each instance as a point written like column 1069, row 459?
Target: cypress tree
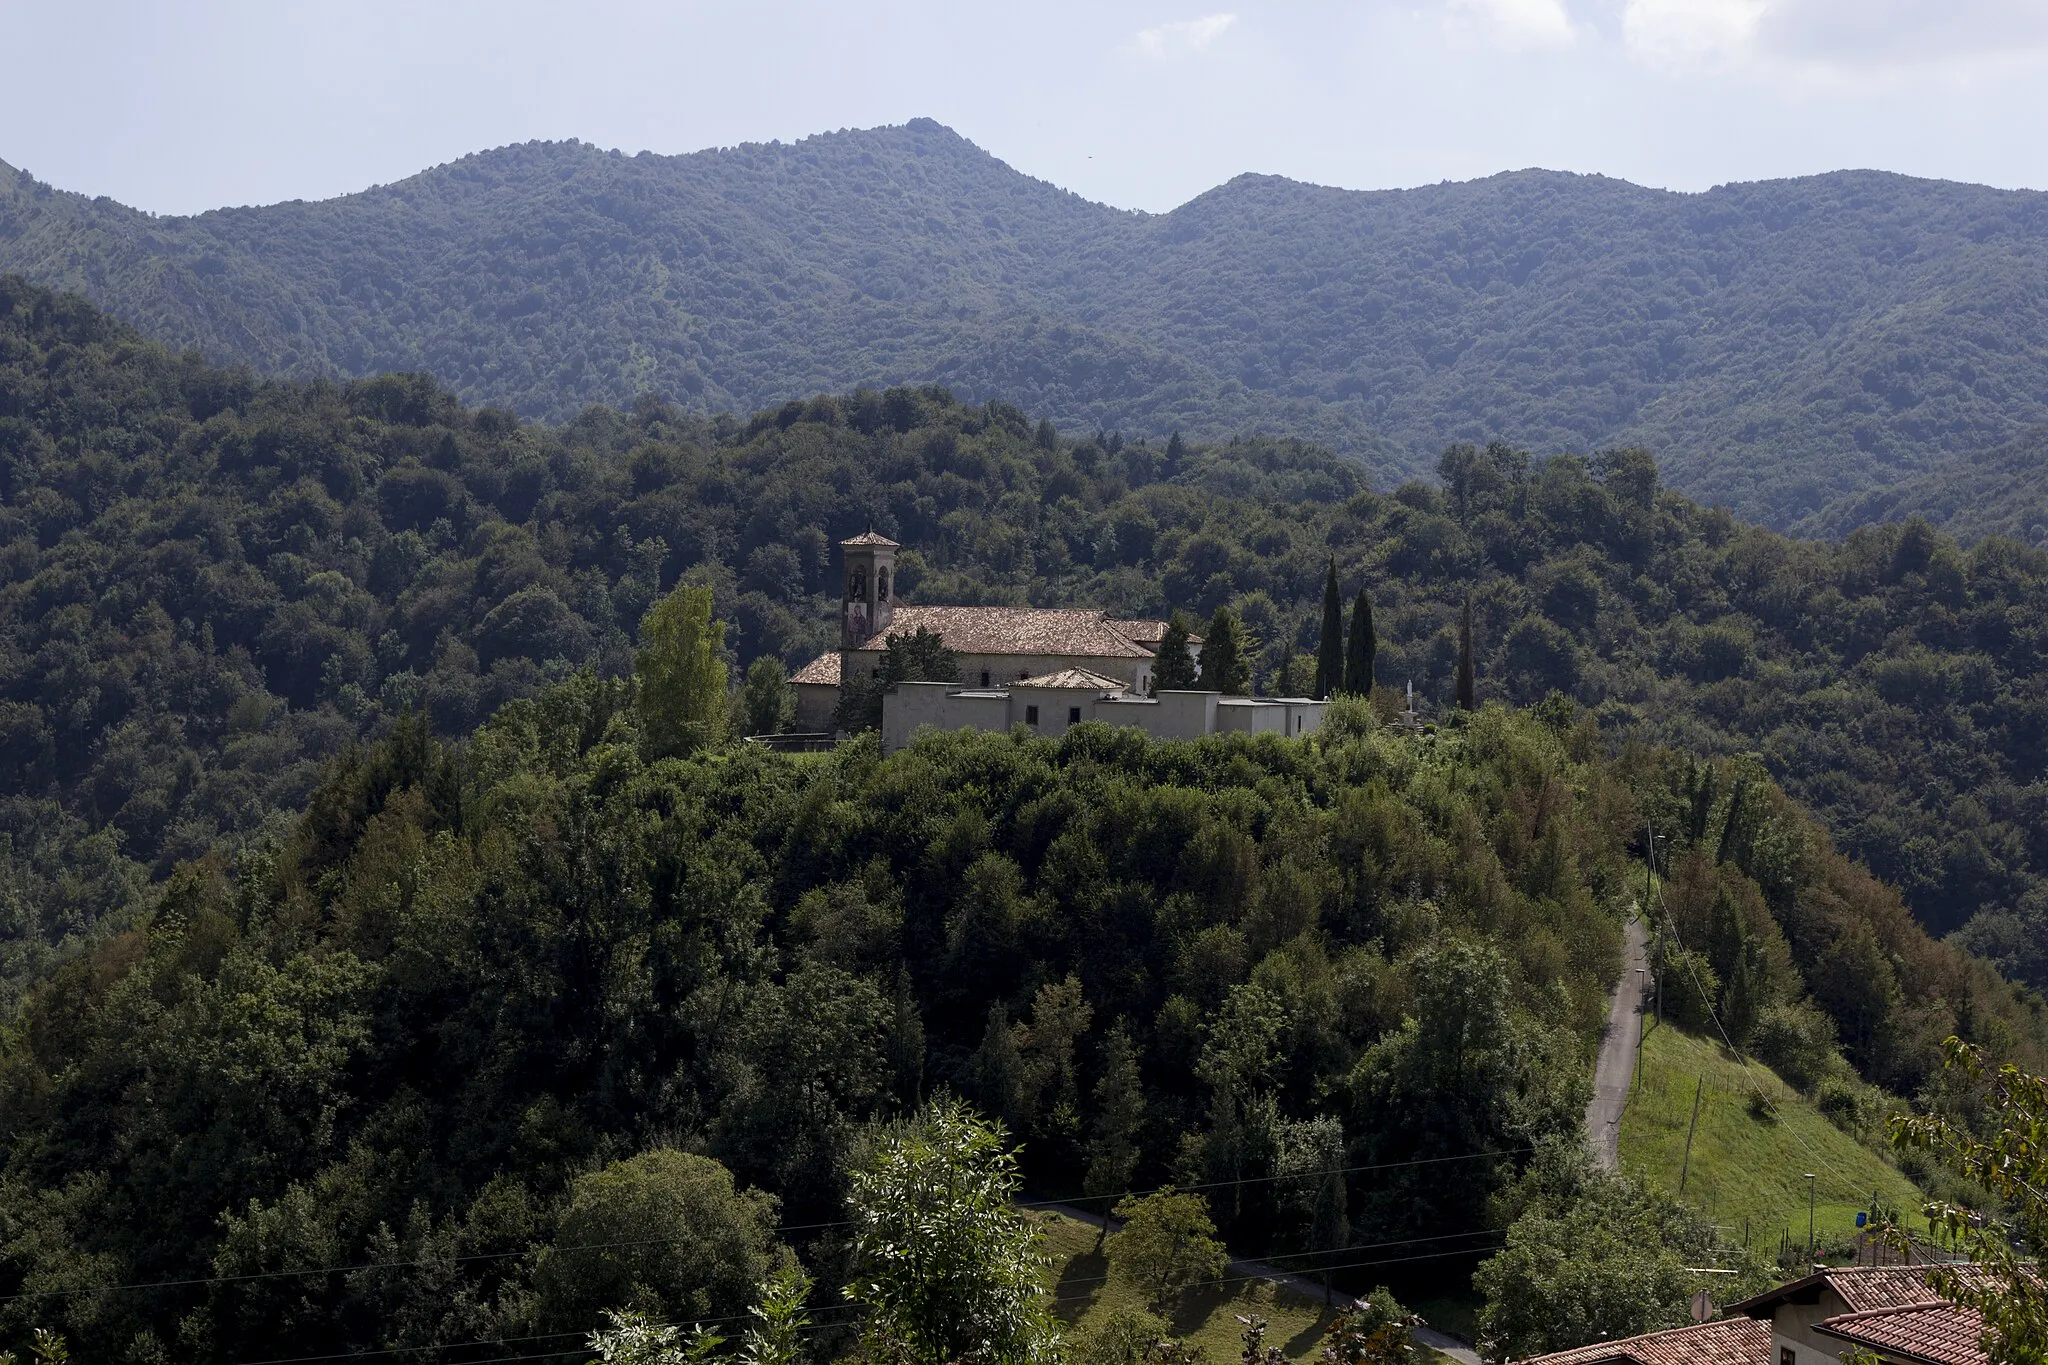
column 1225, row 665
column 1330, row 649
column 1360, row 648
column 1468, row 680
column 1174, row 667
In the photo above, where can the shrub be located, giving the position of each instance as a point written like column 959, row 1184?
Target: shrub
column 1690, row 987
column 662, row 1233
column 1797, row 1041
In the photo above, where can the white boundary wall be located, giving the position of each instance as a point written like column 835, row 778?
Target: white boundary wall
column 1052, row 711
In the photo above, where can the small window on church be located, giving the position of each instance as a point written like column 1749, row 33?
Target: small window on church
column 1786, row 1356
column 1031, row 715
column 1073, row 715
column 882, row 584
column 984, row 677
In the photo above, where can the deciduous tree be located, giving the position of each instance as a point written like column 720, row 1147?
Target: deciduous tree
column 1166, row 1246
column 947, row 1268
column 681, row 678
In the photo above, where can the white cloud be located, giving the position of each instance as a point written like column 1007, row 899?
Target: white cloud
column 1679, row 31
column 1182, row 39
column 1902, row 32
column 1522, row 23
column 1835, row 38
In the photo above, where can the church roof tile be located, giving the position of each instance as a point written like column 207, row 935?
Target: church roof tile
column 1014, row 630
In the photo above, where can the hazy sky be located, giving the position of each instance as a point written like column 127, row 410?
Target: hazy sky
column 183, row 106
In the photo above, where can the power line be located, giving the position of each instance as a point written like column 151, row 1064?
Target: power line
column 357, row 1267
column 814, row 1327
column 1741, row 1058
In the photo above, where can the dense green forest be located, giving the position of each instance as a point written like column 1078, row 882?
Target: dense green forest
column 503, row 1033
column 210, row 584
column 2001, row 491
column 1781, row 345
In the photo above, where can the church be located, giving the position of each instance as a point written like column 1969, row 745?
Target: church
column 1045, row 668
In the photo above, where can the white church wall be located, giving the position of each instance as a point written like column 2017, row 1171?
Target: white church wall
column 1170, row 715
column 1304, row 717
column 941, row 706
column 815, row 705
column 1185, row 714
column 1251, row 716
column 1051, row 711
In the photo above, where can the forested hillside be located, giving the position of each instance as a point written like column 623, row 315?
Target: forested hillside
column 211, row 584
column 488, row 1042
column 1781, row 345
column 2002, row 491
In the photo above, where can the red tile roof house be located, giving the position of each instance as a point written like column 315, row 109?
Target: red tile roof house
column 1889, row 1311
column 997, row 646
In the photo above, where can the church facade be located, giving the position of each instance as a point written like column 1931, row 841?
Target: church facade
column 997, row 647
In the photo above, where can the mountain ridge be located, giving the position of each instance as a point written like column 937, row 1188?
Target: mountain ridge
column 1785, row 346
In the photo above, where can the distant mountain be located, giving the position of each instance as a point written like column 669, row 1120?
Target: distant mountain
column 1783, row 346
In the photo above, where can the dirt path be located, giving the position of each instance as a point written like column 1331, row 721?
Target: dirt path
column 1617, row 1065
column 1460, row 1351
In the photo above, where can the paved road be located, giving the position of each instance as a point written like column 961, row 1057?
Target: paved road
column 1460, row 1351
column 1617, row 1066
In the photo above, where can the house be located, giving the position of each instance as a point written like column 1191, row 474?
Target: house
column 1725, row 1341
column 997, row 647
column 1890, row 1311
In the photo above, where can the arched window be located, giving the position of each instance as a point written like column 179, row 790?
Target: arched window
column 857, row 585
column 882, row 584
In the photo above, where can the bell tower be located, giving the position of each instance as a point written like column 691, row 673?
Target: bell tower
column 869, row 602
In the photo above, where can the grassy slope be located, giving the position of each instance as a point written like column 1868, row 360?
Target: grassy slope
column 1744, row 1168
column 1208, row 1318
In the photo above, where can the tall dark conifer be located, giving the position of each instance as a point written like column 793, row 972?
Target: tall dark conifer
column 1330, row 649
column 1226, row 655
column 1175, row 667
column 1360, row 648
column 1468, row 679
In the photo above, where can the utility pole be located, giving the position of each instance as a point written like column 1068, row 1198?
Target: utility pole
column 1686, row 1169
column 1641, row 986
column 1649, row 863
column 1649, row 892
column 1809, row 1222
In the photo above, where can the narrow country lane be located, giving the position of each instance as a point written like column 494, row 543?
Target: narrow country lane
column 1617, row 1065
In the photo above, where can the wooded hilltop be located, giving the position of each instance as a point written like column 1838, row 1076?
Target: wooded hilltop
column 213, row 584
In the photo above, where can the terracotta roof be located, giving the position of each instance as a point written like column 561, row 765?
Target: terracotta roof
column 871, row 538
column 1014, row 630
column 1078, row 678
column 1147, row 633
column 823, row 669
column 1867, row 1288
column 1725, row 1341
column 1861, row 1287
column 1931, row 1330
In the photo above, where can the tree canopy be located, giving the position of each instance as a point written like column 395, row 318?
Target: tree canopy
column 214, row 584
column 488, row 1005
